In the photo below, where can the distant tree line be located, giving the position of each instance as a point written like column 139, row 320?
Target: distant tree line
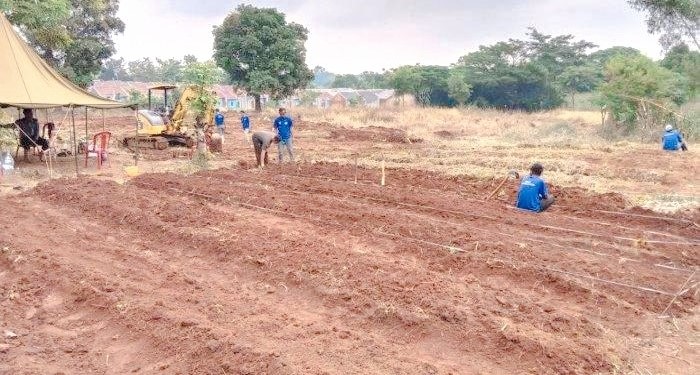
column 166, row 71
column 542, row 72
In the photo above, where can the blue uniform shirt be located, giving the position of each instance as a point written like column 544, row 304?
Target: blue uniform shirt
column 532, row 189
column 245, row 122
column 283, row 125
column 219, row 119
column 672, row 140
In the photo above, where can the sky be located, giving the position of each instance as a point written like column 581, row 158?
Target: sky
column 371, row 35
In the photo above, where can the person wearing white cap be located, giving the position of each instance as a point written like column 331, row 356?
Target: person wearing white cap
column 672, row 140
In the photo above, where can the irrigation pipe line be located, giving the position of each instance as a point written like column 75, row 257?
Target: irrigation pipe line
column 685, row 242
column 248, row 205
column 460, row 224
column 633, row 240
column 567, row 248
column 605, row 224
column 680, row 292
column 620, row 213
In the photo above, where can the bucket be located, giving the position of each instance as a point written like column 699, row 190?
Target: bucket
column 132, row 170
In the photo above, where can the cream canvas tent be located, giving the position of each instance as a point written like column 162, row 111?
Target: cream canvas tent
column 27, row 81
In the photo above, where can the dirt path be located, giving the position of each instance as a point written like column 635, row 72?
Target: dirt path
column 297, row 270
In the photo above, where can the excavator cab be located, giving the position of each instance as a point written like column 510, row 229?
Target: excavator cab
column 165, row 109
column 150, row 122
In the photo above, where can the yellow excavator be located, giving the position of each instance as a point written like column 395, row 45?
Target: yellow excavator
column 174, row 127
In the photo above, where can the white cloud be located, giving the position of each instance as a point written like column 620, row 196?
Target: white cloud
column 352, row 37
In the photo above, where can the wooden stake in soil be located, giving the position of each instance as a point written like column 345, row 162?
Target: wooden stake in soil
column 383, row 174
column 355, row 169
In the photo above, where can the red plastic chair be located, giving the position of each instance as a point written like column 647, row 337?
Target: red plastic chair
column 100, row 142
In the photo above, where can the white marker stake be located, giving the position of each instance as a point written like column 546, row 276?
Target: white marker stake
column 383, row 174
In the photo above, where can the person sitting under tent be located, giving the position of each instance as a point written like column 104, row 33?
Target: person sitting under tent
column 29, row 134
column 533, row 194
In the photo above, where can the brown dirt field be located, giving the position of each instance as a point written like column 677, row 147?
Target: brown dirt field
column 297, row 269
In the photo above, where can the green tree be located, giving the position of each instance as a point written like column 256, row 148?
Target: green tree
column 427, row 83
column 74, row 36
column 113, row 69
column 189, row 59
column 554, row 53
column 202, row 76
column 638, row 91
column 403, row 79
column 143, row 70
column 502, row 76
column 682, row 60
column 322, row 78
column 601, row 57
column 136, row 97
column 458, row 86
column 349, row 81
column 581, row 78
column 169, row 70
column 41, row 22
column 373, row 80
column 675, row 20
column 262, row 53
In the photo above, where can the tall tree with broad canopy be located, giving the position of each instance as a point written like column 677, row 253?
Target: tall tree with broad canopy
column 262, row 53
column 74, row 36
column 676, row 20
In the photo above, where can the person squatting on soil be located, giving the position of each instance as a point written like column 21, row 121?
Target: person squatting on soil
column 283, row 126
column 245, row 124
column 533, row 194
column 261, row 142
column 219, row 121
column 672, row 140
column 29, row 134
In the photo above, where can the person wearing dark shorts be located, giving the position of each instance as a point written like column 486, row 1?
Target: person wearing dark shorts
column 261, row 142
column 29, row 134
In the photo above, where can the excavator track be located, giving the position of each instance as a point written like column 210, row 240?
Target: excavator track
column 157, row 142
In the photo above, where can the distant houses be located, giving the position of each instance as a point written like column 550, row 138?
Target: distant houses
column 232, row 99
column 229, row 98
column 373, row 98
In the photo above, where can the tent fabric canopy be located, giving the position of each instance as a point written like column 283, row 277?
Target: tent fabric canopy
column 27, row 81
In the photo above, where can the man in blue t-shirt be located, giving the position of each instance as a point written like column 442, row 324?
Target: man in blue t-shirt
column 219, row 121
column 533, row 195
column 283, row 127
column 245, row 124
column 672, row 140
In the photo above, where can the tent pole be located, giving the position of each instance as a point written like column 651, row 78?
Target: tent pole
column 75, row 141
column 86, row 127
column 138, row 146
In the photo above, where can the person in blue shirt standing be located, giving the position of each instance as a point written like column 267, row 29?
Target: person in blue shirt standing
column 283, row 127
column 672, row 140
column 533, row 194
column 245, row 124
column 219, row 121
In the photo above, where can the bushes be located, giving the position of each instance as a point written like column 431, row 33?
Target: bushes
column 639, row 92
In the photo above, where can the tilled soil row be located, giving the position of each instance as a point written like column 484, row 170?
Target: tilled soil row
column 366, row 218
column 235, row 271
